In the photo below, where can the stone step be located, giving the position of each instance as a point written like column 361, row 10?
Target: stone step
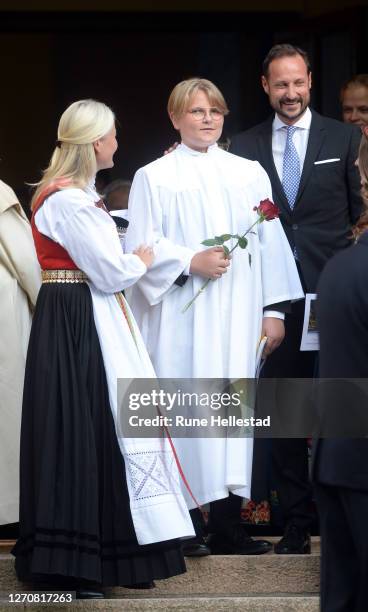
column 7, row 545
column 280, row 603
column 218, row 574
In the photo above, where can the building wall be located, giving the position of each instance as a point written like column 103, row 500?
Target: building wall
column 132, row 60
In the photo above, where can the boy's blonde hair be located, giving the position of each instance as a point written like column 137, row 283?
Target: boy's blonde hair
column 182, row 93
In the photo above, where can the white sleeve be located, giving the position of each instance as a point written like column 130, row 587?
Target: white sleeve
column 146, row 227
column 90, row 237
column 275, row 314
column 280, row 278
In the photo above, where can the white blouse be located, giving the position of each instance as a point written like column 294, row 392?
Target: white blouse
column 71, row 218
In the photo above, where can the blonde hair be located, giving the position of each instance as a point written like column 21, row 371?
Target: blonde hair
column 74, row 159
column 362, row 224
column 182, row 93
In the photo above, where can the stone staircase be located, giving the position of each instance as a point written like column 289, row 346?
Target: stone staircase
column 266, row 583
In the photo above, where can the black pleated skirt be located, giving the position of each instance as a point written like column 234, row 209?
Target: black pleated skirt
column 75, row 519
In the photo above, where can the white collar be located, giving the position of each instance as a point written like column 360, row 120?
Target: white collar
column 183, row 147
column 303, row 123
column 90, row 188
column 92, row 183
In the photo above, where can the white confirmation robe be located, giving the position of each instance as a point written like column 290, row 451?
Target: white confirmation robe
column 176, row 202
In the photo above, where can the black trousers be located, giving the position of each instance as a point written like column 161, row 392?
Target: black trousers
column 344, row 548
column 289, row 456
column 223, row 514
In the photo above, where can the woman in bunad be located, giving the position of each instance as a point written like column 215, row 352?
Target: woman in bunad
column 96, row 509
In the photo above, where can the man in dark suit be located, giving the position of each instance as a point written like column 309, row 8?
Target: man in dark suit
column 310, row 162
column 340, row 466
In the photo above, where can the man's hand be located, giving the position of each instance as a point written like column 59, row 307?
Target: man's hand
column 210, row 263
column 274, row 329
column 172, row 148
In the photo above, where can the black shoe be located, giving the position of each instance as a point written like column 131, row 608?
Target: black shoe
column 236, row 541
column 89, row 594
column 195, row 547
column 296, row 541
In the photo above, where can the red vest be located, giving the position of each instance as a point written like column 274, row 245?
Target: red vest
column 50, row 254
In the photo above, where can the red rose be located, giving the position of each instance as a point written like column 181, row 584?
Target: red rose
column 268, row 210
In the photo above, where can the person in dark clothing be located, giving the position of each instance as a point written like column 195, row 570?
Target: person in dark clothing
column 340, row 466
column 310, row 162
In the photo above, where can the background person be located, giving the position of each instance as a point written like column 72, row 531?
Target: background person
column 86, row 514
column 341, row 464
column 196, row 192
column 310, row 162
column 116, row 197
column 20, row 280
column 354, row 100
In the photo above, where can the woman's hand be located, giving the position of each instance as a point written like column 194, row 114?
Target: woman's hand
column 210, row 263
column 274, row 329
column 145, row 253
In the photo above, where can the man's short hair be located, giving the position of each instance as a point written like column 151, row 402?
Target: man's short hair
column 358, row 80
column 115, row 185
column 284, row 50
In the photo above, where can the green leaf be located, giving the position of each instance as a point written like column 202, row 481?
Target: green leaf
column 225, row 237
column 209, row 242
column 243, row 242
column 226, row 250
column 219, row 240
column 250, row 259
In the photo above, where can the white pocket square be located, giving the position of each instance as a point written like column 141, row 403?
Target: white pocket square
column 327, row 161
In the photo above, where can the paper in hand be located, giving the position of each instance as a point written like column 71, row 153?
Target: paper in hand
column 259, row 360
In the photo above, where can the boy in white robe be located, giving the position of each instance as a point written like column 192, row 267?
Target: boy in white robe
column 197, row 192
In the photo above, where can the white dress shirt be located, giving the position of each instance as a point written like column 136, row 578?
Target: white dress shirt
column 300, row 139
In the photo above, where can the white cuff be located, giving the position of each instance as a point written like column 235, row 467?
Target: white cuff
column 275, row 314
column 186, row 270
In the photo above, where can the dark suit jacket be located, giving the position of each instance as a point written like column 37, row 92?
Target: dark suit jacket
column 328, row 201
column 342, row 311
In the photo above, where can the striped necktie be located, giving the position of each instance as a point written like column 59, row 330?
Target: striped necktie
column 290, row 167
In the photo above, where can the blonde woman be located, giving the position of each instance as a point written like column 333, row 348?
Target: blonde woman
column 95, row 510
column 20, row 280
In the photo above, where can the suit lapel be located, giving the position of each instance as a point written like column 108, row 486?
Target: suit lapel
column 266, row 160
column 317, row 135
